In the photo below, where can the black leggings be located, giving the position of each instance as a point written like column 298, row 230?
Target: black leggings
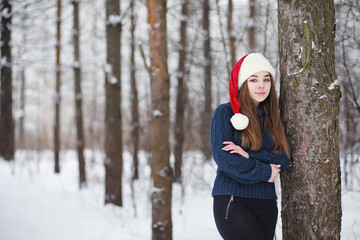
column 239, row 218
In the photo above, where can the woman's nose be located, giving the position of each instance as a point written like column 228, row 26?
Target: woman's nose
column 261, row 84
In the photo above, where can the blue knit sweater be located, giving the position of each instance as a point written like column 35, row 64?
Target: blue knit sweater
column 237, row 175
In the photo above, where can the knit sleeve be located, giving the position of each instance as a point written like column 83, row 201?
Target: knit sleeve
column 271, row 157
column 243, row 170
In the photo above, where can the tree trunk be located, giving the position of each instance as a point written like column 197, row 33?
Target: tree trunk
column 252, row 26
column 96, row 136
column 21, row 144
column 134, row 97
column 181, row 98
column 57, row 90
column 206, row 117
column 223, row 41
column 267, row 16
column 311, row 188
column 231, row 34
column 7, row 141
column 21, row 135
column 160, row 118
column 113, row 131
column 78, row 97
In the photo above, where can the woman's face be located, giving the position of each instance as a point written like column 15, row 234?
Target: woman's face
column 259, row 85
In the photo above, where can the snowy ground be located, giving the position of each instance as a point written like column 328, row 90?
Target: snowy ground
column 37, row 204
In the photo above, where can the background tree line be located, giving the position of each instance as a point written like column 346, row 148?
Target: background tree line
column 84, row 74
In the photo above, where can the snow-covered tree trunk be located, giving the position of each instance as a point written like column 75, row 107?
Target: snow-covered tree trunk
column 113, row 131
column 78, row 96
column 309, row 97
column 181, row 97
column 7, row 141
column 57, row 90
column 160, row 120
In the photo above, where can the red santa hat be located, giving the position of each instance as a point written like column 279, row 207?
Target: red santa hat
column 243, row 69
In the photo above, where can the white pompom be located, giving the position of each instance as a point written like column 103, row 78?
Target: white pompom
column 239, row 121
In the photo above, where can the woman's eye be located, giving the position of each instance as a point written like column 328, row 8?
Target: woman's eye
column 267, row 80
column 252, row 80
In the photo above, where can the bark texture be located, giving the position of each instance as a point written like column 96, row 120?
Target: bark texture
column 78, row 96
column 252, row 26
column 113, row 131
column 21, row 144
column 160, row 81
column 57, row 90
column 309, row 99
column 206, row 116
column 231, row 33
column 7, row 141
column 181, row 97
column 135, row 128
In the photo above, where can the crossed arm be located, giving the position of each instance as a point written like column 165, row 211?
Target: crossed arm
column 233, row 148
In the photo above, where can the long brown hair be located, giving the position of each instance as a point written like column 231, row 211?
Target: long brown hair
column 251, row 136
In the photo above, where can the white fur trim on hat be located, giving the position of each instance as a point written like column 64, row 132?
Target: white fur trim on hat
column 253, row 63
column 239, row 121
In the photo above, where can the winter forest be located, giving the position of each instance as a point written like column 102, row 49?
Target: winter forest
column 106, row 107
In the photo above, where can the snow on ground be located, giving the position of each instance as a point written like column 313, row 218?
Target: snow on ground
column 37, row 204
column 350, row 228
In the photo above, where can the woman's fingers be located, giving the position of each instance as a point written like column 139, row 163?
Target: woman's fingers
column 234, row 149
column 275, row 170
column 230, row 147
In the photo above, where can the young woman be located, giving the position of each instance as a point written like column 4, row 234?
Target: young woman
column 250, row 150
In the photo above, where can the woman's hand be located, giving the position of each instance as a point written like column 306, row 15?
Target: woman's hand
column 275, row 170
column 230, row 146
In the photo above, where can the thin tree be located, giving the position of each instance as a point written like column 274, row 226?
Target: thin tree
column 21, row 135
column 95, row 138
column 57, row 89
column 160, row 120
column 7, row 141
column 78, row 96
column 309, row 96
column 207, row 112
column 181, row 98
column 267, row 17
column 113, row 131
column 135, row 125
column 224, row 42
column 231, row 34
column 252, row 27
